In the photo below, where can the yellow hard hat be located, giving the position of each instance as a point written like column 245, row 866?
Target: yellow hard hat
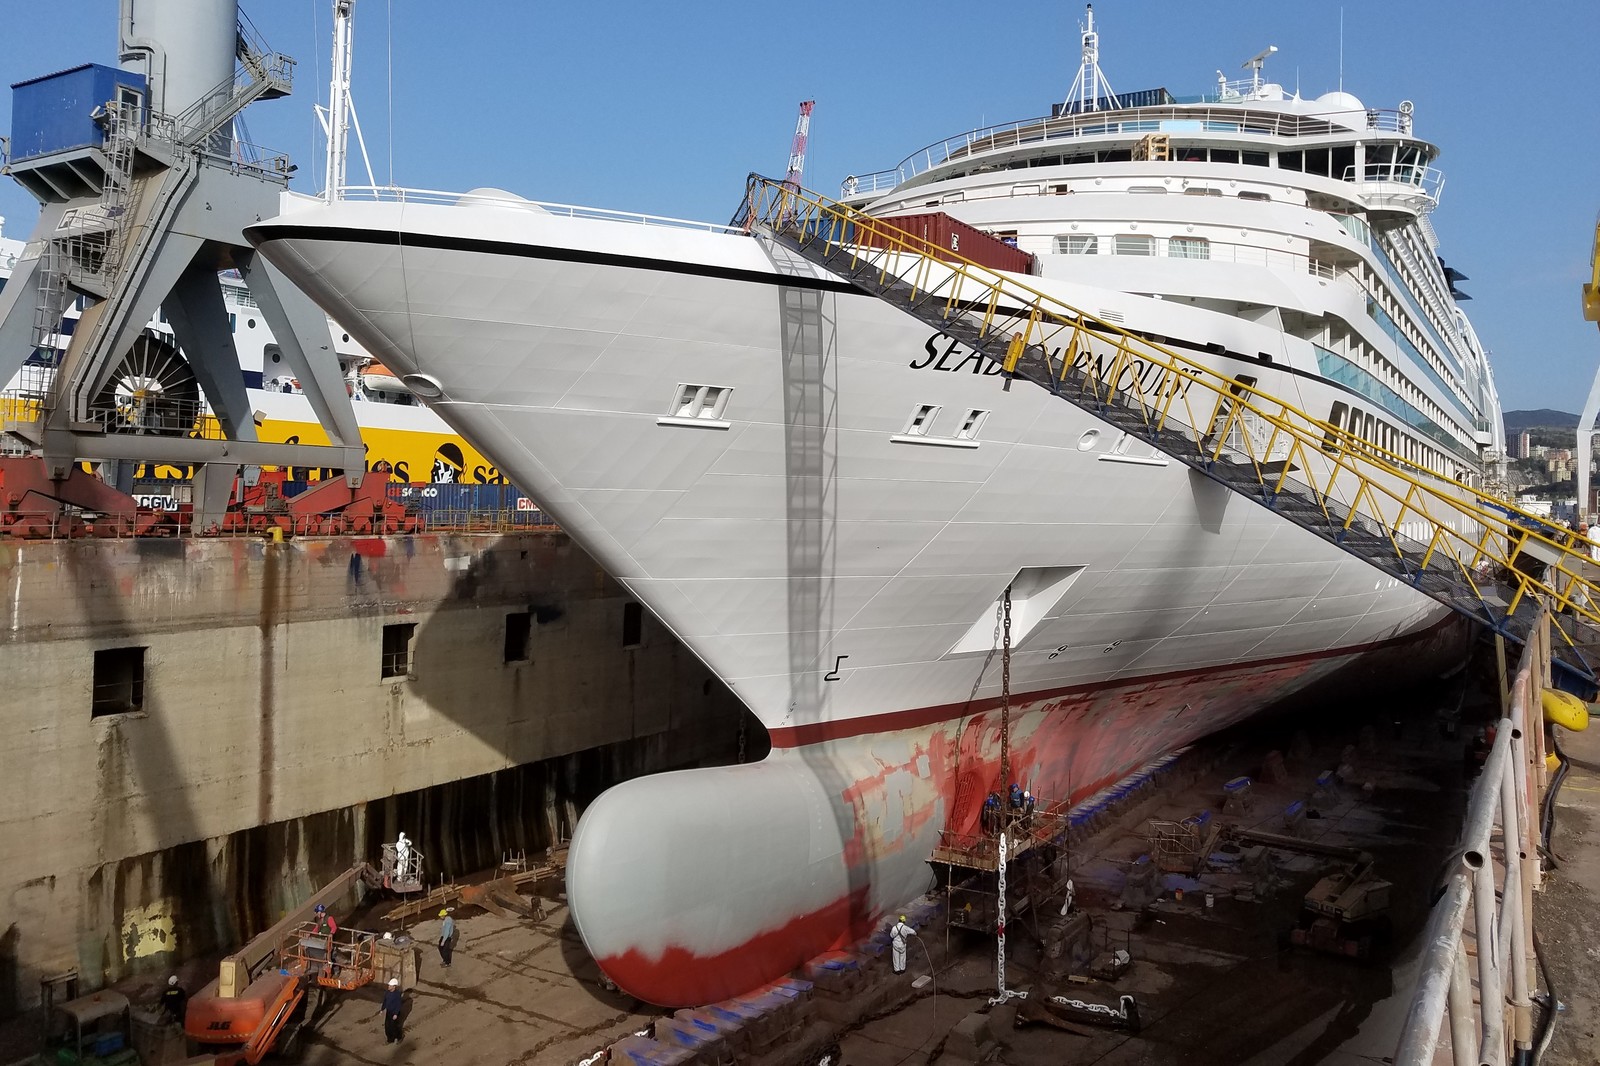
column 443, row 911
column 902, row 917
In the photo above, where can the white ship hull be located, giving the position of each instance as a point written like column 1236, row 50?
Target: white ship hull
column 837, row 566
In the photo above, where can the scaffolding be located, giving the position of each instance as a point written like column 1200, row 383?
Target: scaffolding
column 1181, row 847
column 1036, row 867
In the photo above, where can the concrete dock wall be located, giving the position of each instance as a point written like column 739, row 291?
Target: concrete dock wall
column 159, row 803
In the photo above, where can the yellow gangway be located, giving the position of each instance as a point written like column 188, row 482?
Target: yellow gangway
column 1459, row 544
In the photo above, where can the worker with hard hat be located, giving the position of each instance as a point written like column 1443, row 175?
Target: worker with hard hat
column 897, row 943
column 393, row 1004
column 174, row 1000
column 447, row 937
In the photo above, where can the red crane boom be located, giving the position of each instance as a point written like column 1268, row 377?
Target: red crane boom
column 797, row 153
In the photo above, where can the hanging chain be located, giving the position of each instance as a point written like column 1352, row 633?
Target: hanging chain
column 1005, row 695
column 1005, row 788
column 742, row 728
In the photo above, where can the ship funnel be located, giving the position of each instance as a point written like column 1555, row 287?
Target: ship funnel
column 186, row 47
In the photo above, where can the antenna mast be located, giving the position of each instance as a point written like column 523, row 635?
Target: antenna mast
column 340, row 114
column 797, row 152
column 1091, row 85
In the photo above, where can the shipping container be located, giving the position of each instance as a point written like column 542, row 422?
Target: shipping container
column 952, row 235
column 449, row 504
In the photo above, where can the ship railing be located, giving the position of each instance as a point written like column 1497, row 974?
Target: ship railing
column 393, row 194
column 1204, row 249
column 1480, row 556
column 481, row 520
column 1478, row 965
column 1182, row 119
column 1398, row 184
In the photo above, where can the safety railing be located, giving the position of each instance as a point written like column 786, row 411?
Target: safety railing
column 1486, row 908
column 1481, row 556
column 1222, row 119
column 50, row 523
column 502, row 520
column 344, row 960
column 1036, row 823
column 396, row 195
column 1398, row 184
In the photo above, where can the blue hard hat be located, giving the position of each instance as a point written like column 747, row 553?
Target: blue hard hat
column 320, row 908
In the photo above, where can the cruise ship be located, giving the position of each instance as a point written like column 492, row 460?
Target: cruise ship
column 827, row 500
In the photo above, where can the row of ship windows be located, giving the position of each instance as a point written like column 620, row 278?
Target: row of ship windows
column 1369, row 428
column 709, row 403
column 1200, row 248
column 119, row 679
column 1133, row 244
column 1383, row 162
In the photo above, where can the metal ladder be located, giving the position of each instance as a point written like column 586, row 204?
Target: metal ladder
column 262, row 75
column 1459, row 545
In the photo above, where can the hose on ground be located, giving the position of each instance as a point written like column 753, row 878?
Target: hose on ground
column 1547, row 1024
column 1547, row 819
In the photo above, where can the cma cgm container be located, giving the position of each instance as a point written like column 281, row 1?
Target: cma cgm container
column 943, row 233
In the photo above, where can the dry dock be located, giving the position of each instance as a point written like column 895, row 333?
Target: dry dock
column 1214, row 984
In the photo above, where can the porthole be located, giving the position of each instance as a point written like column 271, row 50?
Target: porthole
column 250, row 323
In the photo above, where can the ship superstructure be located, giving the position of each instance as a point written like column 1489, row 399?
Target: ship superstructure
column 827, row 500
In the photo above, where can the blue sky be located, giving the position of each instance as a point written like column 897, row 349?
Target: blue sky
column 664, row 108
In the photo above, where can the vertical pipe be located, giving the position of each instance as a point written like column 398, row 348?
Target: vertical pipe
column 1463, row 1042
column 1419, row 1036
column 1511, row 932
column 1491, row 995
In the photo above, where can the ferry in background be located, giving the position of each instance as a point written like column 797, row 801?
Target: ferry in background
column 826, row 500
column 403, row 438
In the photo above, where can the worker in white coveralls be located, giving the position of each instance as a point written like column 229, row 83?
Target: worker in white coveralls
column 897, row 943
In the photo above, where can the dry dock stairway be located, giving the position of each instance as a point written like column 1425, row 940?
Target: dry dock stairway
column 1460, row 545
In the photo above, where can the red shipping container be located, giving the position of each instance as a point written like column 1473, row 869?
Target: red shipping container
column 952, row 235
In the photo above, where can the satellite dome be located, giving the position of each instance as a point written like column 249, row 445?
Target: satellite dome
column 1343, row 108
column 499, row 198
column 1340, row 101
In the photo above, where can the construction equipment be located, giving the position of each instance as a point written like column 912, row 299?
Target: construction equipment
column 797, row 151
column 1346, row 913
column 261, row 988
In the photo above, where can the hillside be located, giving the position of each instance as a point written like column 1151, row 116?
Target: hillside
column 1517, row 421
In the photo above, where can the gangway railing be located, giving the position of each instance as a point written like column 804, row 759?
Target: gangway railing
column 1477, row 960
column 1465, row 548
